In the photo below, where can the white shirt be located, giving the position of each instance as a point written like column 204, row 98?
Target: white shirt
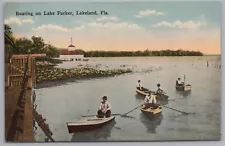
column 149, row 99
column 139, row 85
column 179, row 82
column 152, row 99
column 105, row 106
column 160, row 90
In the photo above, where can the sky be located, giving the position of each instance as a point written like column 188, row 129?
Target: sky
column 127, row 26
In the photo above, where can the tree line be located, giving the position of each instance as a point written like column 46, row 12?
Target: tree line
column 35, row 45
column 179, row 52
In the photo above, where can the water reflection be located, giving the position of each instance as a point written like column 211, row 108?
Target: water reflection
column 98, row 135
column 183, row 93
column 151, row 123
column 140, row 97
column 163, row 102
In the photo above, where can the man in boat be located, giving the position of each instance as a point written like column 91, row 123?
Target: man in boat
column 105, row 108
column 139, row 86
column 159, row 90
column 150, row 101
column 179, row 83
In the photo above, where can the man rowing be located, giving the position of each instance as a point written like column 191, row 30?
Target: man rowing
column 150, row 101
column 140, row 87
column 104, row 109
column 179, row 83
column 159, row 90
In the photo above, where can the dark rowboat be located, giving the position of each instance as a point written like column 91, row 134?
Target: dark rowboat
column 183, row 87
column 88, row 124
column 150, row 112
column 158, row 96
column 162, row 97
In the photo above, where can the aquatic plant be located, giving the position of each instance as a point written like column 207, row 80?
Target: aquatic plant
column 48, row 73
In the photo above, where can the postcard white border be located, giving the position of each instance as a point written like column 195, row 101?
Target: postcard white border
column 184, row 143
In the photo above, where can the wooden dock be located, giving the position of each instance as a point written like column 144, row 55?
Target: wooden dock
column 18, row 118
column 19, row 79
column 19, row 111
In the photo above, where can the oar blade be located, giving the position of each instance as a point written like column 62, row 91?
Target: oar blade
column 125, row 116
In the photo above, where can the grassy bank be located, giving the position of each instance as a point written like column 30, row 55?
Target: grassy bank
column 47, row 73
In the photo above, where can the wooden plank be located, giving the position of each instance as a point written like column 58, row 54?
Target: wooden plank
column 11, row 98
column 10, row 104
column 42, row 125
column 19, row 56
column 29, row 84
column 28, row 134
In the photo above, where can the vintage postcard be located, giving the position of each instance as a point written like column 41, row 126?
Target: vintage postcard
column 112, row 71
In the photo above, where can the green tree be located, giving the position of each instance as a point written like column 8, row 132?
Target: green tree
column 9, row 43
column 51, row 51
column 24, row 46
column 38, row 45
column 8, row 30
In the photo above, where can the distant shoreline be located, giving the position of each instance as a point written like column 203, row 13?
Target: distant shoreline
column 148, row 56
column 143, row 56
column 145, row 53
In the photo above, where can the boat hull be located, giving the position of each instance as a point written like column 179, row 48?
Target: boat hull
column 184, row 88
column 158, row 97
column 152, row 113
column 143, row 93
column 162, row 97
column 84, row 125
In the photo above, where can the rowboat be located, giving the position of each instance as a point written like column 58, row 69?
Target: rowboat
column 150, row 112
column 142, row 92
column 100, row 134
column 183, row 87
column 88, row 124
column 158, row 96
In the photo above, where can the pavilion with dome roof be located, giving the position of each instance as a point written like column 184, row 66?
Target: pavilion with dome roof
column 71, row 53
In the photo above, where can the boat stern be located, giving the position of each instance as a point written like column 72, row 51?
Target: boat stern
column 187, row 88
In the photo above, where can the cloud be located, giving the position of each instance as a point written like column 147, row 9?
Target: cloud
column 147, row 13
column 111, row 25
column 79, row 27
column 182, row 25
column 27, row 21
column 138, row 16
column 15, row 20
column 93, row 25
column 113, row 18
column 51, row 27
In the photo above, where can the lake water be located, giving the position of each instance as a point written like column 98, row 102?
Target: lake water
column 68, row 101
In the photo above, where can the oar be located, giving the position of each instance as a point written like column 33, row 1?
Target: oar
column 176, row 110
column 96, row 115
column 122, row 115
column 125, row 114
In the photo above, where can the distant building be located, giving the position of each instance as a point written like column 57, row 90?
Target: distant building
column 71, row 53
